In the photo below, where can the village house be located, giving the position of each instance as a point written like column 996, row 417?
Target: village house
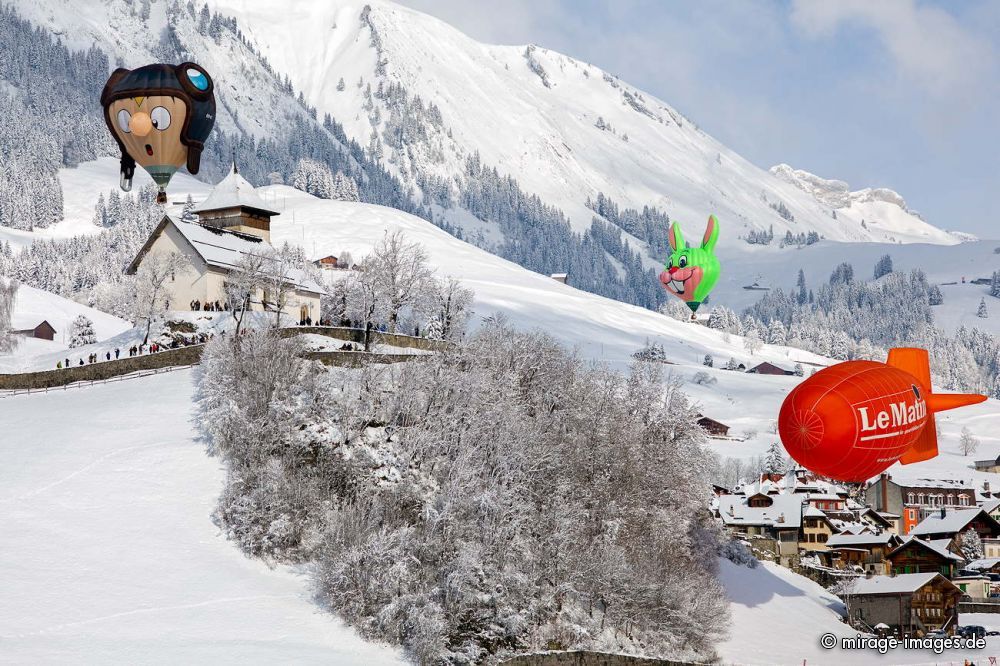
column 991, row 465
column 865, row 552
column 951, row 523
column 977, row 588
column 713, row 427
column 909, row 604
column 327, row 263
column 233, row 222
column 767, row 368
column 774, row 517
column 816, row 530
column 922, row 556
column 877, row 521
column 916, row 499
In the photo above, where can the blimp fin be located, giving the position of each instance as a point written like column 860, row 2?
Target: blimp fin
column 915, row 362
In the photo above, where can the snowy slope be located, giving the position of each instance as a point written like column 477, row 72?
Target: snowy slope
column 109, row 552
column 779, row 616
column 32, row 306
column 944, row 265
column 532, row 113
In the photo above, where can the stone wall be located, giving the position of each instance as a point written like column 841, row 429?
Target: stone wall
column 978, row 607
column 587, row 658
column 349, row 359
column 358, row 335
column 101, row 370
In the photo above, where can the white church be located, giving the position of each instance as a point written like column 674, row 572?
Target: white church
column 233, row 221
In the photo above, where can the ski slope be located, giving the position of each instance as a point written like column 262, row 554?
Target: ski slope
column 109, row 551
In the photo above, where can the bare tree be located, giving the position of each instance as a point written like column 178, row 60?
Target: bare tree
column 242, row 285
column 452, row 305
column 364, row 299
column 277, row 283
column 967, row 442
column 345, row 260
column 151, row 301
column 401, row 269
column 8, row 294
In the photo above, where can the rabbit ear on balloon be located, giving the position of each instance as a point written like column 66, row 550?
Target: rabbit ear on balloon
column 160, row 115
column 691, row 272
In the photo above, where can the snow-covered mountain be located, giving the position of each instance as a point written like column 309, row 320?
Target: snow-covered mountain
column 564, row 129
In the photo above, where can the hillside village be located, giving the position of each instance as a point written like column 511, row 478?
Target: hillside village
column 931, row 545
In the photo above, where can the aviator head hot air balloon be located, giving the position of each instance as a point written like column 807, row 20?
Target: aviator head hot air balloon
column 691, row 272
column 160, row 115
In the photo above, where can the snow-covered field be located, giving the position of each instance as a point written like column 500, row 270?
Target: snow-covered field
column 109, row 552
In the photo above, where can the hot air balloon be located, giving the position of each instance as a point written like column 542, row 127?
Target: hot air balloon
column 691, row 272
column 160, row 115
column 853, row 420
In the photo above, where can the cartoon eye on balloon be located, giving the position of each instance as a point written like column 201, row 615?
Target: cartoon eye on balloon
column 691, row 272
column 160, row 115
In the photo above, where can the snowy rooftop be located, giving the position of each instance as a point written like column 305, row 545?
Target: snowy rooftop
column 939, row 546
column 989, row 506
column 223, row 249
column 232, row 192
column 954, row 520
column 858, row 539
column 983, row 563
column 785, row 511
column 893, row 584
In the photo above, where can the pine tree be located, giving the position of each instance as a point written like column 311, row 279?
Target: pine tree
column 995, row 284
column 81, row 332
column 801, row 284
column 708, row 362
column 982, row 312
column 774, row 463
column 341, row 85
column 188, row 214
column 799, row 371
column 883, row 266
column 935, row 297
column 971, row 545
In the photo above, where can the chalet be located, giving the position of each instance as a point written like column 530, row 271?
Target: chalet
column 910, row 604
column 826, row 501
column 949, row 524
column 778, row 517
column 713, row 427
column 866, row 552
column 922, row 556
column 328, row 263
column 816, row 530
column 718, row 490
column 992, row 465
column 915, row 499
column 766, row 368
column 986, row 565
column 43, row 330
column 880, row 522
column 233, row 223
column 560, row 277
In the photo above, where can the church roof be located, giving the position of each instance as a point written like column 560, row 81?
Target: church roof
column 234, row 191
column 223, row 249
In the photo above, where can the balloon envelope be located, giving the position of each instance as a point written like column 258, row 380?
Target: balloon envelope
column 691, row 272
column 160, row 115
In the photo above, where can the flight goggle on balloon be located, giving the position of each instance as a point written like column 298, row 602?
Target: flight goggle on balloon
column 160, row 115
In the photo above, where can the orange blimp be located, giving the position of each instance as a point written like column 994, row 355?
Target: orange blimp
column 853, row 420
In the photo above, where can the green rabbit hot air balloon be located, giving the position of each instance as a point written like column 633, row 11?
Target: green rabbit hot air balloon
column 160, row 115
column 691, row 272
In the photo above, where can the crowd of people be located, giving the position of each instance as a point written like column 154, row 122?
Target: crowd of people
column 198, row 306
column 141, row 349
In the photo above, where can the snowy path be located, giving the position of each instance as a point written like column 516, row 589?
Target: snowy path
column 109, row 553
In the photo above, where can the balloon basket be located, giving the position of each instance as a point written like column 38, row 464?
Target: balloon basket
column 161, row 197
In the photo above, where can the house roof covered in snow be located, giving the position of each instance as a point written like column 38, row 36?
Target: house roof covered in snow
column 983, row 564
column 954, row 520
column 785, row 511
column 858, row 539
column 223, row 249
column 989, row 506
column 898, row 584
column 939, row 546
column 233, row 191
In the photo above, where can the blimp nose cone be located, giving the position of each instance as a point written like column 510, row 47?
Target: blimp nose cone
column 803, row 431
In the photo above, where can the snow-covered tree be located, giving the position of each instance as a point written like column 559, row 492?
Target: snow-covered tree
column 883, row 266
column 708, row 361
column 450, row 307
column 151, row 301
column 971, row 545
column 799, row 371
column 774, row 462
column 752, row 342
column 81, row 332
column 776, row 332
column 995, row 284
column 982, row 312
column 401, row 273
column 245, row 284
column 676, row 309
column 967, row 442
column 188, row 214
column 8, row 295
